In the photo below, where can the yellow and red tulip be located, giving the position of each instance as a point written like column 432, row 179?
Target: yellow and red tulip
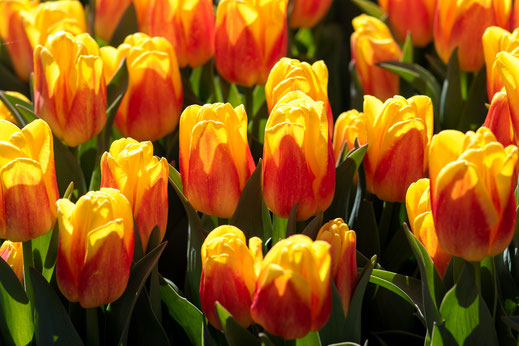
column 461, row 24
column 349, row 126
column 250, row 37
column 151, row 107
column 298, row 163
column 215, row 159
column 498, row 119
column 307, row 13
column 130, row 167
column 418, row 204
column 95, row 247
column 189, row 26
column 293, row 292
column 12, row 254
column 472, row 181
column 398, row 134
column 343, row 242
column 107, row 17
column 69, row 87
column 229, row 272
column 508, row 67
column 372, row 43
column 28, row 189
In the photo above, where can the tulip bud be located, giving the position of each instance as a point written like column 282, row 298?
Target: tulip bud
column 398, row 132
column 69, row 87
column 95, row 247
column 343, row 252
column 151, row 106
column 12, row 254
column 495, row 40
column 108, row 15
column 498, row 119
column 250, row 37
column 143, row 179
column 473, row 178
column 293, row 294
column 350, row 125
column 188, row 25
column 372, row 43
column 5, row 113
column 215, row 159
column 28, row 189
column 291, row 75
column 418, row 204
column 229, row 273
column 462, row 24
column 307, row 13
column 414, row 17
column 508, row 68
column 298, row 164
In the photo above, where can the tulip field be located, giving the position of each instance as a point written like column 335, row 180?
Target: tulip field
column 259, row 172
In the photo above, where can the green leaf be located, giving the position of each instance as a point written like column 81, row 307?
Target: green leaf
column 369, row 8
column 45, row 252
column 248, row 214
column 67, row 169
column 311, row 339
column 279, row 228
column 356, row 92
column 335, row 329
column 291, row 221
column 364, row 222
column 127, row 25
column 407, row 49
column 117, row 87
column 119, row 316
column 27, row 113
column 186, row 314
column 475, row 112
column 52, row 323
column 234, row 333
column 451, row 100
column 235, row 98
column 512, row 322
column 16, row 326
column 10, row 103
column 9, row 81
column 312, row 229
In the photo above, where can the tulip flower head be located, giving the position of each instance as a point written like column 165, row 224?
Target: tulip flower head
column 473, row 178
column 107, row 17
column 151, row 106
column 508, row 67
column 293, row 292
column 307, row 13
column 418, row 204
column 215, row 159
column 12, row 254
column 229, row 273
column 349, row 126
column 298, row 163
column 398, row 134
column 95, row 247
column 343, row 252
column 28, row 189
column 499, row 120
column 69, row 87
column 143, row 179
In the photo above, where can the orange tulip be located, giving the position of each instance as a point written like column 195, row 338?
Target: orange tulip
column 107, row 17
column 508, row 68
column 188, row 25
column 307, row 13
column 462, row 24
column 143, row 179
column 293, row 295
column 215, row 159
column 151, row 106
column 95, row 247
column 298, row 164
column 343, row 252
column 28, row 189
column 473, row 178
column 372, row 43
column 418, row 204
column 229, row 272
column 350, row 125
column 498, row 119
column 12, row 254
column 251, row 36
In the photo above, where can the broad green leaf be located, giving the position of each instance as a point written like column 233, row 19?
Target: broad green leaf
column 474, row 111
column 67, row 169
column 45, row 252
column 234, row 333
column 451, row 100
column 127, row 25
column 370, row 8
column 335, row 329
column 356, row 92
column 312, row 229
column 291, row 222
column 26, row 112
column 407, row 49
column 235, row 98
column 311, row 339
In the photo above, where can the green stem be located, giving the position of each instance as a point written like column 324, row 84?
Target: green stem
column 477, row 274
column 279, row 230
column 27, row 263
column 92, row 327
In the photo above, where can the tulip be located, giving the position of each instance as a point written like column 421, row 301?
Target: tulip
column 293, row 294
column 414, row 17
column 69, row 87
column 495, row 40
column 291, row 74
column 372, row 43
column 508, row 68
column 151, row 106
column 344, row 258
column 298, row 164
column 95, row 247
column 418, row 204
column 131, row 168
column 107, row 17
column 28, row 189
column 229, row 273
column 350, row 125
column 12, row 254
column 5, row 114
column 307, row 13
column 398, row 133
column 215, row 159
column 498, row 119
column 515, row 16
column 250, row 37
column 461, row 24
column 473, row 179
column 188, row 25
